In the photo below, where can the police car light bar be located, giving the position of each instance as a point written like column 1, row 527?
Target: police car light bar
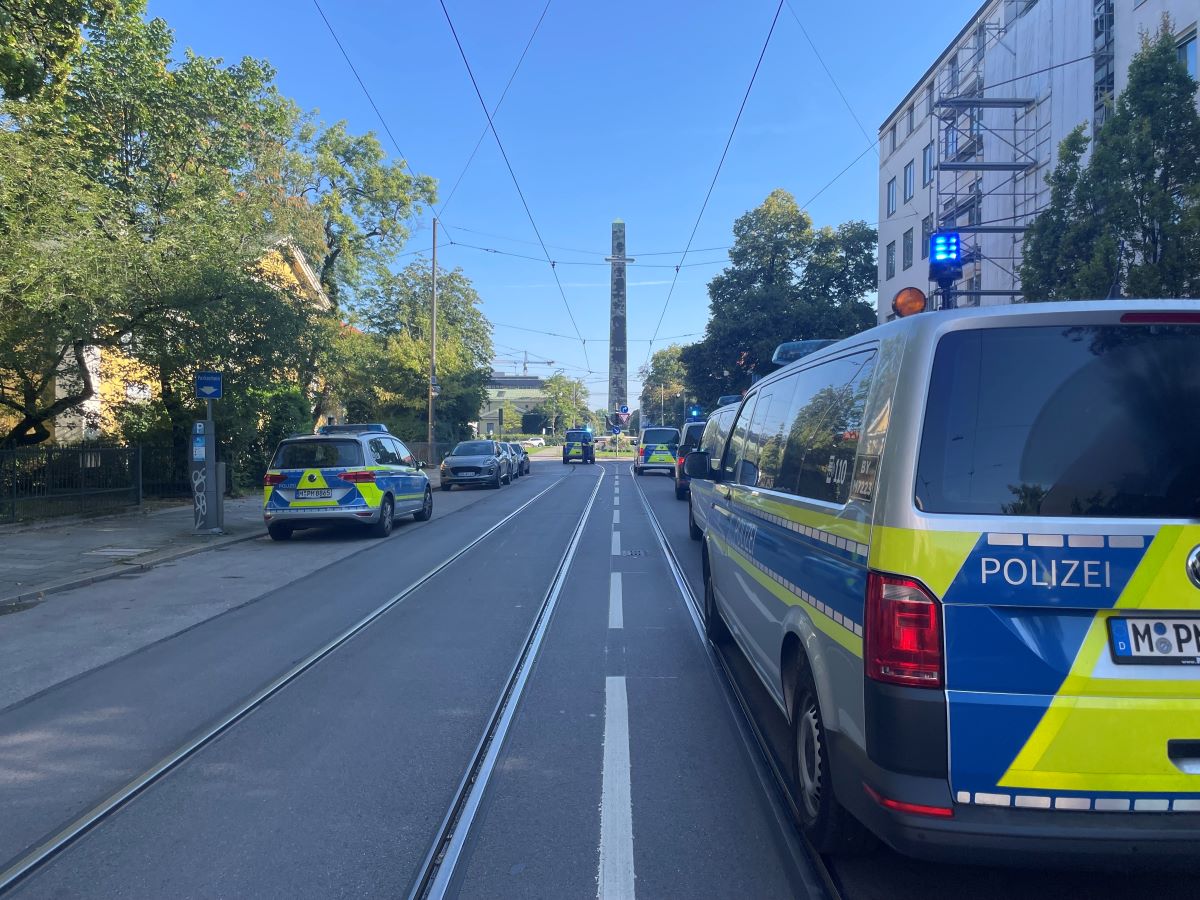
column 353, row 429
column 945, row 256
column 794, row 350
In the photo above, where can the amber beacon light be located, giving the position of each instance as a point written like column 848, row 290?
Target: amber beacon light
column 909, row 301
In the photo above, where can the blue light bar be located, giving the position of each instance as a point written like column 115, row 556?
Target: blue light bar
column 944, row 247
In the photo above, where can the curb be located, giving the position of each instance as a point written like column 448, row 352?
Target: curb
column 28, row 599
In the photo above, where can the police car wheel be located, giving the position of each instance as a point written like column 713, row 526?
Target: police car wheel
column 387, row 518
column 425, row 513
column 681, row 492
column 279, row 532
column 694, row 531
column 824, row 821
column 714, row 626
column 637, row 470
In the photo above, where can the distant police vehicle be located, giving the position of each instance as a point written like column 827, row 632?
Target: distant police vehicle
column 579, row 447
column 345, row 473
column 962, row 552
column 655, row 451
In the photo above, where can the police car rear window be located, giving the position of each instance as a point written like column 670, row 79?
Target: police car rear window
column 579, row 435
column 1064, row 421
column 317, row 455
column 660, row 436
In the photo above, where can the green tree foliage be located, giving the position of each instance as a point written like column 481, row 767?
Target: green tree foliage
column 380, row 368
column 787, row 281
column 566, row 402
column 1126, row 222
column 38, row 42
column 663, row 389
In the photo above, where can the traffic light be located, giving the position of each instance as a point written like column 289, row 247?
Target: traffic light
column 945, row 257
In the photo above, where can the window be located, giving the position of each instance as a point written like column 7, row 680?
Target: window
column 908, row 249
column 926, row 234
column 1187, row 53
column 737, row 441
column 403, row 453
column 767, row 438
column 382, row 452
column 927, row 165
column 952, row 139
column 911, row 116
column 891, row 197
column 929, row 100
column 892, row 139
column 317, row 454
column 1088, row 425
column 823, row 428
column 909, row 179
column 891, row 260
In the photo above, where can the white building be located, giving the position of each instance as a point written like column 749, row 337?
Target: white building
column 976, row 136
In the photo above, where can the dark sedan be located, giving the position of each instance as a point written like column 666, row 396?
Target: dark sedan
column 476, row 462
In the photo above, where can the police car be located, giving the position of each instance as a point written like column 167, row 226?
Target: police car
column 578, row 447
column 345, row 473
column 655, row 451
column 962, row 553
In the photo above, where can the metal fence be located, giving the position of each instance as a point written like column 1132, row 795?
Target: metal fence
column 42, row 482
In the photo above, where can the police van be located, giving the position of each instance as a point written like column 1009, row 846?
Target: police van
column 655, row 450
column 962, row 553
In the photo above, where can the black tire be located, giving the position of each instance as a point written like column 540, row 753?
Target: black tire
column 715, row 628
column 425, row 513
column 827, row 824
column 496, row 482
column 446, row 487
column 387, row 518
column 279, row 532
column 637, row 470
column 694, row 531
column 564, row 460
column 681, row 493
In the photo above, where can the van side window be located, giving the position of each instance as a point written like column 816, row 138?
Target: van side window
column 737, row 440
column 767, row 436
column 825, row 428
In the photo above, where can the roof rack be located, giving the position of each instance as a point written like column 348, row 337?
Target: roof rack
column 729, row 399
column 353, row 429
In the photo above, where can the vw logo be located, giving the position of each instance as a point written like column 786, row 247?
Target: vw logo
column 1193, row 566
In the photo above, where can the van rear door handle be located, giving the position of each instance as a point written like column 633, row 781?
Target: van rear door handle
column 1186, row 755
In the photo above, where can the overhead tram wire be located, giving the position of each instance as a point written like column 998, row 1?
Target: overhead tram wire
column 716, row 175
column 516, row 182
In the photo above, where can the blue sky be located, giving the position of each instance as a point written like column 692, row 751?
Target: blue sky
column 620, row 110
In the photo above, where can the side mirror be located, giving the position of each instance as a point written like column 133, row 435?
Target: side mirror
column 421, row 464
column 695, row 465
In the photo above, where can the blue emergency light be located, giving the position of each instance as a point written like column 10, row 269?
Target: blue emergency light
column 945, row 256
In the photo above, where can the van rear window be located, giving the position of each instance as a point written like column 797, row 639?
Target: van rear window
column 660, row 436
column 312, row 454
column 1064, row 421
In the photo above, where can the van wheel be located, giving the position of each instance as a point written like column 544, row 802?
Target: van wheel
column 425, row 513
column 824, row 821
column 715, row 628
column 681, row 493
column 694, row 531
column 387, row 518
column 637, row 470
column 279, row 532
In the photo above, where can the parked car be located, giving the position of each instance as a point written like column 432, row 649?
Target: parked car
column 534, row 442
column 520, row 459
column 476, row 462
column 689, row 440
column 506, row 452
column 348, row 473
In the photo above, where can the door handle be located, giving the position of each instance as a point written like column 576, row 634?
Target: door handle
column 1185, row 755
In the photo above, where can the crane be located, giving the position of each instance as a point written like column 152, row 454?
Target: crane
column 525, row 362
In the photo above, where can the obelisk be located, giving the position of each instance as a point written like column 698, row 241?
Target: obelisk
column 618, row 350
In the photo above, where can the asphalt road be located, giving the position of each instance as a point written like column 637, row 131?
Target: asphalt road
column 624, row 770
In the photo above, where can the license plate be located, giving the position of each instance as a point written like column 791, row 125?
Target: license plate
column 1155, row 641
column 314, row 494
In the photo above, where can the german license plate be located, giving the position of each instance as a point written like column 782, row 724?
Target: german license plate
column 314, row 494
column 1155, row 641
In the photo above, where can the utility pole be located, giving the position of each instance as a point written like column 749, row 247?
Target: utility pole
column 433, row 391
column 662, row 402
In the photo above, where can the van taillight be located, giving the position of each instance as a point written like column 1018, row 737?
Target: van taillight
column 903, row 634
column 273, row 478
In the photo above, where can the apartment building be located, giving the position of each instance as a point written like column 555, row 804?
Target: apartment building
column 968, row 148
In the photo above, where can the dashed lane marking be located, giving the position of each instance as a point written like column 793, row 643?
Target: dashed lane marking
column 616, row 543
column 616, row 880
column 616, row 611
column 616, row 517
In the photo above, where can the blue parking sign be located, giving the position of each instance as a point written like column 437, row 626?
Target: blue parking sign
column 209, row 386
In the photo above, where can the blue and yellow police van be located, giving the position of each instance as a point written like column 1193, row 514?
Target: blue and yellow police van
column 358, row 474
column 578, row 446
column 962, row 553
column 655, row 450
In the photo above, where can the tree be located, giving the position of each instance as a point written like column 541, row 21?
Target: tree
column 663, row 382
column 566, row 401
column 1126, row 223
column 786, row 282
column 38, row 42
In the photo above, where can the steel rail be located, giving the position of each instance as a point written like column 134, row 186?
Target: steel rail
column 436, row 873
column 772, row 779
column 30, row 860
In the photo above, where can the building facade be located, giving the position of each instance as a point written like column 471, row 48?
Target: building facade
column 969, row 147
column 520, row 393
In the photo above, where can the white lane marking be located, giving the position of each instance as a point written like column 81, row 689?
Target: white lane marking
column 616, row 499
column 616, row 517
column 616, row 611
column 616, row 804
column 616, row 543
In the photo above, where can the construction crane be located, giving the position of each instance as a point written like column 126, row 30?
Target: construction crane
column 525, row 362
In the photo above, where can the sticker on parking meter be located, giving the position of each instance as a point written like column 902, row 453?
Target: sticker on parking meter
column 198, row 448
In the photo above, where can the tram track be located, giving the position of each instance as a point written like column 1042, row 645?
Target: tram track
column 771, row 776
column 46, row 850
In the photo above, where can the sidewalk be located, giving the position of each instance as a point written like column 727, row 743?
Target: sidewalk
column 47, row 557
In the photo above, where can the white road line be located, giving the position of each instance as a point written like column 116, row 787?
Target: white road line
column 616, row 499
column 616, row 517
column 616, row 880
column 616, row 611
column 616, row 543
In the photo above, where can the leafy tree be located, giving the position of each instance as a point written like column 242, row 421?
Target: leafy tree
column 38, row 41
column 566, row 401
column 663, row 378
column 1126, row 223
column 786, row 282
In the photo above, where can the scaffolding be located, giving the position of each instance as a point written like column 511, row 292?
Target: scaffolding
column 988, row 153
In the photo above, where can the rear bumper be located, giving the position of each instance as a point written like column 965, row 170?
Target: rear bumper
column 311, row 517
column 1004, row 836
column 659, row 467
